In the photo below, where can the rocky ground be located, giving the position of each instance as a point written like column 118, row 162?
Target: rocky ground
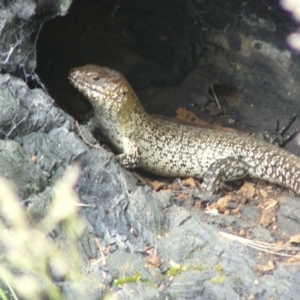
column 154, row 241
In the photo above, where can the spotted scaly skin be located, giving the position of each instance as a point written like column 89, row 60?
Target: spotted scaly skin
column 169, row 149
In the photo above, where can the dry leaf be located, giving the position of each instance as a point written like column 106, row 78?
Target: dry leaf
column 272, row 203
column 236, row 210
column 295, row 239
column 187, row 116
column 247, row 190
column 294, row 259
column 270, row 266
column 183, row 197
column 222, row 204
column 242, row 232
column 264, row 193
column 189, row 182
column 268, row 204
column 279, row 243
column 278, row 246
column 33, row 158
column 157, row 185
column 267, row 217
column 154, row 261
column 175, row 186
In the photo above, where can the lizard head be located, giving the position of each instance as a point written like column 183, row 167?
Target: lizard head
column 104, row 87
column 108, row 91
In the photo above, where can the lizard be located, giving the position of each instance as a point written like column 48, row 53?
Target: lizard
column 178, row 150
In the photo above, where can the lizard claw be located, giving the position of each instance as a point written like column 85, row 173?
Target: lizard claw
column 276, row 137
column 283, row 130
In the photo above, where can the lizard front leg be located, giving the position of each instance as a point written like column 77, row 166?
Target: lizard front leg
column 131, row 157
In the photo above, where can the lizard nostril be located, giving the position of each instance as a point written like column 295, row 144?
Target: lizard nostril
column 96, row 78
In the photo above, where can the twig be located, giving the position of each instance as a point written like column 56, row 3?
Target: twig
column 83, row 138
column 103, row 258
column 215, row 96
column 262, row 246
column 141, row 179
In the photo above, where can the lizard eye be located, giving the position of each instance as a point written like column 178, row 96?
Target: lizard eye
column 96, row 78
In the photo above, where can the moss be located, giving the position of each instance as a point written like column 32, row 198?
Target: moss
column 176, row 270
column 218, row 268
column 218, row 279
column 130, row 279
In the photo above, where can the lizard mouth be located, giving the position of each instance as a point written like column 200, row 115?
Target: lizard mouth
column 73, row 76
column 76, row 80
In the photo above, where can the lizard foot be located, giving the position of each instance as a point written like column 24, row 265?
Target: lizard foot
column 276, row 137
